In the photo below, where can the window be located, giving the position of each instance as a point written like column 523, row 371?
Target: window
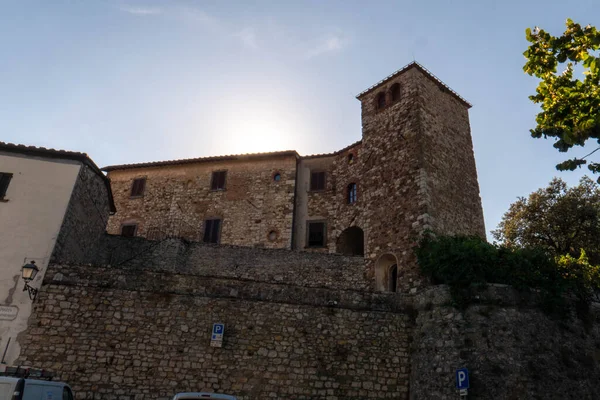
column 277, row 177
column 380, row 101
column 351, row 193
column 272, row 236
column 316, row 234
column 137, row 189
column 5, row 178
column 212, row 230
column 395, row 92
column 317, row 181
column 128, row 230
column 218, row 180
column 350, row 158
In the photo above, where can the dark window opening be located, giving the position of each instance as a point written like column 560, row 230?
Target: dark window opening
column 350, row 158
column 218, row 180
column 212, row 231
column 393, row 278
column 316, row 234
column 5, row 178
column 380, row 101
column 137, row 189
column 351, row 193
column 317, row 181
column 129, row 230
column 351, row 242
column 277, row 177
column 395, row 92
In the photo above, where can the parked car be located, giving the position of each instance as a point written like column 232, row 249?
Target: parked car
column 28, row 384
column 203, row 395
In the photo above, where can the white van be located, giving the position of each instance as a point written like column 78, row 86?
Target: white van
column 21, row 384
column 203, row 395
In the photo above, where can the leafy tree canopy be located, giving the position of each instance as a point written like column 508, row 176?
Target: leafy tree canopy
column 561, row 220
column 570, row 106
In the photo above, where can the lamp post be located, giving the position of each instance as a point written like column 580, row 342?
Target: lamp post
column 29, row 271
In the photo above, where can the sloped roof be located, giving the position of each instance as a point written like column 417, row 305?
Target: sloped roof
column 335, row 153
column 63, row 155
column 231, row 157
column 426, row 72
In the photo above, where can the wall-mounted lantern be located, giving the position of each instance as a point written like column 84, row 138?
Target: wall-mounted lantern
column 29, row 271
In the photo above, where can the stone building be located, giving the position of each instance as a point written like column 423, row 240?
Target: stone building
column 51, row 202
column 414, row 169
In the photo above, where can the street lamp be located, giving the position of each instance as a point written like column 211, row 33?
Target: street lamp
column 29, row 271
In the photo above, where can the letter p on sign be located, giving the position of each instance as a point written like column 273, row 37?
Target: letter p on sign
column 462, row 378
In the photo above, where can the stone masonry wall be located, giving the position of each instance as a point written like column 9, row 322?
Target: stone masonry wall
column 391, row 158
column 450, row 173
column 126, row 334
column 84, row 223
column 513, row 351
column 178, row 198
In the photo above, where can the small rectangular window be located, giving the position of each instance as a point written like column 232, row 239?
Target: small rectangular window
column 317, row 181
column 5, row 178
column 212, row 231
column 218, row 180
column 129, row 230
column 316, row 234
column 137, row 189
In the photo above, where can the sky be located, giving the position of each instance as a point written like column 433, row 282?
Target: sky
column 134, row 81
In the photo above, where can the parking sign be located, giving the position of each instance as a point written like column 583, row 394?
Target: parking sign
column 462, row 378
column 216, row 338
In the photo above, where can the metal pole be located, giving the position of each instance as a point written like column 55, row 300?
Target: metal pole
column 5, row 350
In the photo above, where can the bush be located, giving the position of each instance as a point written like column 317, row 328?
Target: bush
column 468, row 263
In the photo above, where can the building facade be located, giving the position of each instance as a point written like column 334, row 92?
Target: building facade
column 413, row 170
column 50, row 201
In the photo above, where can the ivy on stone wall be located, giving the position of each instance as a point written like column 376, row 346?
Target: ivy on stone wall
column 468, row 263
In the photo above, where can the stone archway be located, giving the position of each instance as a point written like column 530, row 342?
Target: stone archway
column 386, row 273
column 351, row 242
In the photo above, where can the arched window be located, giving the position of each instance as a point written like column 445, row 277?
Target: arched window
column 380, row 101
column 395, row 92
column 351, row 193
column 393, row 278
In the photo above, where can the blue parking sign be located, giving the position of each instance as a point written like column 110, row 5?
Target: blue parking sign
column 218, row 329
column 462, row 378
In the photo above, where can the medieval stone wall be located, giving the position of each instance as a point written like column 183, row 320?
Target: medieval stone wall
column 178, row 199
column 85, row 220
column 123, row 333
column 391, row 178
column 454, row 205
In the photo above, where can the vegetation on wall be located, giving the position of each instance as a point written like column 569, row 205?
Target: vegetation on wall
column 569, row 105
column 468, row 263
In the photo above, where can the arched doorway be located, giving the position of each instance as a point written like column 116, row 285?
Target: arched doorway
column 351, row 242
column 386, row 273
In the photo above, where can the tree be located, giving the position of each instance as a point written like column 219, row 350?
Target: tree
column 561, row 220
column 570, row 106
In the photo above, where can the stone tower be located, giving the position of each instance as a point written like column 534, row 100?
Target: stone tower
column 418, row 171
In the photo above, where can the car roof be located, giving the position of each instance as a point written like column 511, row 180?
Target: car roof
column 12, row 379
column 203, row 395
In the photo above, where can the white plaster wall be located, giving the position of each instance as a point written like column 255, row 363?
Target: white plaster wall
column 38, row 196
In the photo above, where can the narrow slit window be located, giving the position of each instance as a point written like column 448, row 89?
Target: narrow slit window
column 218, row 180
column 212, row 231
column 393, row 278
column 381, row 101
column 395, row 92
column 316, row 234
column 351, row 193
column 5, row 178
column 138, row 187
column 317, row 181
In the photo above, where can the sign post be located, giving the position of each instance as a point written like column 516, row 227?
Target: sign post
column 216, row 339
column 462, row 381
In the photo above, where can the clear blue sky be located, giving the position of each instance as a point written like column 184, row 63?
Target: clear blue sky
column 132, row 81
